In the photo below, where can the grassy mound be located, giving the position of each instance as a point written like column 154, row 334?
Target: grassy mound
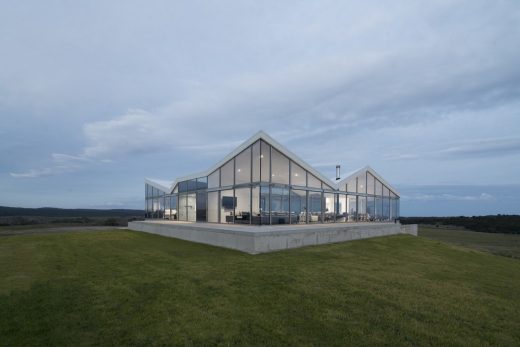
column 122, row 287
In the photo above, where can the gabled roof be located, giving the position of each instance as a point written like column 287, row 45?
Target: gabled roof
column 169, row 186
column 363, row 170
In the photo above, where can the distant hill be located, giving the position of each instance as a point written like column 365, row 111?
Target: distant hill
column 501, row 223
column 63, row 212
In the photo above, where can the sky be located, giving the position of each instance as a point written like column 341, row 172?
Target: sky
column 97, row 95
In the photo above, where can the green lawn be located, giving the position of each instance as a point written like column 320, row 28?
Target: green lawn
column 121, row 287
column 507, row 245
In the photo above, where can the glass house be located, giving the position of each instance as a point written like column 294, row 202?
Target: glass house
column 263, row 183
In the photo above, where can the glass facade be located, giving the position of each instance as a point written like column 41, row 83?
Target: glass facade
column 261, row 185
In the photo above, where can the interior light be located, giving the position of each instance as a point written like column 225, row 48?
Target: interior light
column 238, row 170
column 296, row 174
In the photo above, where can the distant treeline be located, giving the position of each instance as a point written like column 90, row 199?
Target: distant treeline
column 508, row 224
column 50, row 215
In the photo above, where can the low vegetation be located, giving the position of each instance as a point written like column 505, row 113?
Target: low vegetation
column 501, row 223
column 507, row 245
column 128, row 288
column 49, row 216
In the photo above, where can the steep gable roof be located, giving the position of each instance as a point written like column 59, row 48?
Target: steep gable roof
column 373, row 172
column 261, row 135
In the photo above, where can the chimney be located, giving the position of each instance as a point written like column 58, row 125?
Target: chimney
column 338, row 172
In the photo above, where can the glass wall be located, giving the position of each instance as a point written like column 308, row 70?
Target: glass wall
column 298, row 206
column 201, row 206
column 298, row 175
column 265, row 162
column 243, row 167
column 226, row 174
column 314, row 207
column 262, row 186
column 280, row 205
column 280, row 167
column 243, row 205
column 213, row 207
column 227, row 206
column 328, row 207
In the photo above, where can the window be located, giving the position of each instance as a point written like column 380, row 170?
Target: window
column 214, row 179
column 279, row 205
column 256, row 217
column 371, row 208
column 351, row 208
column 264, row 205
column 314, row 207
column 213, row 207
column 265, row 159
column 298, row 206
column 370, row 184
column 183, row 186
column 227, row 206
column 226, row 174
column 362, row 183
column 352, row 185
column 361, row 208
column 201, row 206
column 328, row 204
column 202, row 182
column 256, row 161
column 312, row 181
column 192, row 185
column 298, row 175
column 243, row 167
column 341, row 208
column 243, row 206
column 280, row 167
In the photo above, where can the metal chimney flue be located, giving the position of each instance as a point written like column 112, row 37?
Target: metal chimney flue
column 338, row 174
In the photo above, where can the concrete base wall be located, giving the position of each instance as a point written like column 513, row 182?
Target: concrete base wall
column 262, row 239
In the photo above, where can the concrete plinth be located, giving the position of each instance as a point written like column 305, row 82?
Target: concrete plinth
column 262, row 239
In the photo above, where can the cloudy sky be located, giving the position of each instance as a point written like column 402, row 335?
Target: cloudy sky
column 97, row 95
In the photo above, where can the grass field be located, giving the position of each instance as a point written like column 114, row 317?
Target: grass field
column 122, row 287
column 507, row 245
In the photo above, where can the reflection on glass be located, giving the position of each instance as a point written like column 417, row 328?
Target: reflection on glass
column 226, row 174
column 214, row 179
column 362, row 183
column 298, row 206
column 264, row 205
column 265, row 159
column 242, row 209
column 183, row 186
column 341, row 208
column 328, row 204
column 362, row 209
column 279, row 205
column 173, row 203
column 243, row 167
column 256, row 217
column 379, row 188
column 202, row 182
column 351, row 208
column 312, row 181
column 379, row 208
column 227, row 206
column 298, row 175
column 371, row 208
column 280, row 167
column 370, row 183
column 213, row 207
column 256, row 161
column 201, row 206
column 352, row 185
column 314, row 207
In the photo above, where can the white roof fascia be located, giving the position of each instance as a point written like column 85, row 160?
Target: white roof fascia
column 374, row 173
column 159, row 184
